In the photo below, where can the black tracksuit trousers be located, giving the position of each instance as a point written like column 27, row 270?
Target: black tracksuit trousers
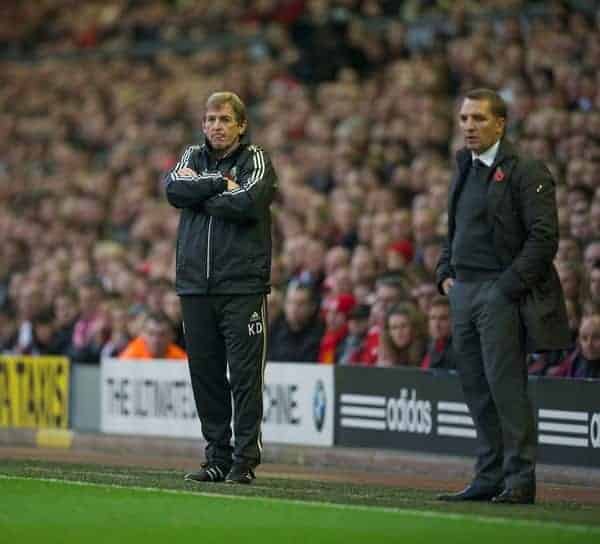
column 222, row 331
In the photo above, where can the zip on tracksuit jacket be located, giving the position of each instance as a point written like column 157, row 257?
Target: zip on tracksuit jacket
column 224, row 237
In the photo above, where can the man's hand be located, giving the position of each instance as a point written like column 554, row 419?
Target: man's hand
column 232, row 185
column 186, row 172
column 447, row 285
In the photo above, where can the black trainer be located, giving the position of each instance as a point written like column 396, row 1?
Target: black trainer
column 240, row 474
column 209, row 472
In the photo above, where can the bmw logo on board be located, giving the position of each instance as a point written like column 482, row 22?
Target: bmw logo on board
column 319, row 405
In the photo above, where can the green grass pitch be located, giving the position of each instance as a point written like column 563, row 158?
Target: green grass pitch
column 60, row 503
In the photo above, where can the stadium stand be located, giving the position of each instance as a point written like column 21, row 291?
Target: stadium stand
column 353, row 99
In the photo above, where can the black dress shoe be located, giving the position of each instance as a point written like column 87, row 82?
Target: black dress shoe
column 517, row 495
column 471, row 493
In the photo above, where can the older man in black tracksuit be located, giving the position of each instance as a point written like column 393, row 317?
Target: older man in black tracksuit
column 224, row 188
column 505, row 295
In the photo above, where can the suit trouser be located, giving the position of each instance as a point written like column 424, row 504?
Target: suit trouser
column 489, row 342
column 222, row 331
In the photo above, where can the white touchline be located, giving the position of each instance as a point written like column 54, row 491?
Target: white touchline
column 315, row 504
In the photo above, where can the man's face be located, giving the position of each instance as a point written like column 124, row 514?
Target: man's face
column 387, row 296
column 595, row 284
column 88, row 298
column 158, row 337
column 589, row 337
column 439, row 322
column 222, row 128
column 423, row 225
column 480, row 127
column 579, row 225
column 431, row 256
column 43, row 332
column 424, row 293
column 65, row 310
column 358, row 326
column 362, row 268
column 299, row 308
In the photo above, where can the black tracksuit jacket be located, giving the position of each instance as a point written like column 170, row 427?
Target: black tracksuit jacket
column 224, row 237
column 224, row 258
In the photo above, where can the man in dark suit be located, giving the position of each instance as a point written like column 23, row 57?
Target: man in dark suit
column 505, row 295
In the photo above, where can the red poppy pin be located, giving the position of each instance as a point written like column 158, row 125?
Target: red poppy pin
column 498, row 175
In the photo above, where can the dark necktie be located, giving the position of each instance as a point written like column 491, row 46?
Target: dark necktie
column 478, row 165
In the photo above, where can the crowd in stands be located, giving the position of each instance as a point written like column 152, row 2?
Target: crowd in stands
column 355, row 101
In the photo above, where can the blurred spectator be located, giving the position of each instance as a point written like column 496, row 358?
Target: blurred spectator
column 591, row 255
column 424, row 229
column 8, row 329
column 362, row 270
column 336, row 313
column 402, row 337
column 155, row 341
column 399, row 256
column 430, row 255
column 337, row 283
column 312, row 266
column 352, row 350
column 546, row 362
column 274, row 305
column 439, row 346
column 365, row 154
column 28, row 305
column 390, row 290
column 584, row 361
column 155, row 294
column 574, row 313
column 423, row 293
column 568, row 251
column 91, row 327
column 43, row 324
column 65, row 311
column 171, row 305
column 119, row 336
column 296, row 335
column 336, row 257
column 571, row 278
column 593, row 287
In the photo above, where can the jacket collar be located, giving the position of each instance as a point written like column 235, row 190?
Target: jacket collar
column 488, row 156
column 506, row 150
column 244, row 141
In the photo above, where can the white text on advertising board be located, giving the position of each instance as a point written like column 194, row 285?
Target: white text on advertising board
column 150, row 398
column 378, row 413
column 280, row 404
column 408, row 414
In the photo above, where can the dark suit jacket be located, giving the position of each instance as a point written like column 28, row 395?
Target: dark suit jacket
column 522, row 212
